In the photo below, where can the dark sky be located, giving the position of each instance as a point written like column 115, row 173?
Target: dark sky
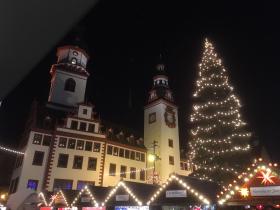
column 124, row 39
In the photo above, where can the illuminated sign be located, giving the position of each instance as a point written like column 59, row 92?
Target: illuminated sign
column 176, row 193
column 132, row 208
column 265, row 191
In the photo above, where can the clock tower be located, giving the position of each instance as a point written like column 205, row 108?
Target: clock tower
column 161, row 133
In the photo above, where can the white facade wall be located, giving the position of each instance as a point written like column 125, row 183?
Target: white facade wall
column 68, row 98
column 113, row 180
column 75, row 174
column 28, row 171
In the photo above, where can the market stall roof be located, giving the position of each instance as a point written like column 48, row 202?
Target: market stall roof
column 260, row 184
column 196, row 191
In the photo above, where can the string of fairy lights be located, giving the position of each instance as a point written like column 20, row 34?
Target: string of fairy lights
column 122, row 184
column 236, row 186
column 210, row 117
column 6, row 149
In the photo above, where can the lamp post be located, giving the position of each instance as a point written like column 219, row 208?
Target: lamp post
column 153, row 158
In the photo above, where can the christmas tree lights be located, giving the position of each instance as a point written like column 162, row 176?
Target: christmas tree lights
column 219, row 143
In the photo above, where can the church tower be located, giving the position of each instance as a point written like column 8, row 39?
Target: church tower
column 69, row 78
column 161, row 133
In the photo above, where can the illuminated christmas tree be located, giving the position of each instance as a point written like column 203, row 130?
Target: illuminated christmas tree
column 219, row 143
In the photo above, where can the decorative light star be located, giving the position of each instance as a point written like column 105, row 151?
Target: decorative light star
column 244, row 192
column 266, row 177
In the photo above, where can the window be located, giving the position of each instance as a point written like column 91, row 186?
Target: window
column 38, row 158
column 71, row 143
column 171, row 160
column 78, row 162
column 84, row 111
column 62, row 142
column 82, row 184
column 152, row 117
column 116, row 151
column 132, row 173
column 181, row 165
column 132, row 155
column 62, row 160
column 80, row 145
column 96, row 147
column 109, row 150
column 137, row 157
column 126, row 154
column 123, row 171
column 83, row 126
column 19, row 161
column 64, row 184
column 112, row 169
column 170, row 143
column 74, row 124
column 88, row 146
column 32, row 184
column 142, row 175
column 121, row 152
column 92, row 162
column 70, row 85
column 142, row 157
column 14, row 185
column 91, row 127
column 37, row 139
column 47, row 140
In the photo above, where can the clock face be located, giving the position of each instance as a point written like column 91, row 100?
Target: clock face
column 152, row 117
column 170, row 118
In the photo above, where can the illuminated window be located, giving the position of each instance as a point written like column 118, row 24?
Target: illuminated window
column 132, row 173
column 32, row 184
column 64, row 184
column 82, row 184
column 137, row 156
column 92, row 162
column 80, row 145
column 123, row 171
column 116, row 151
column 62, row 161
column 74, row 61
column 62, row 142
column 78, row 162
column 70, row 85
column 142, row 156
column 96, row 147
column 37, row 139
column 112, row 169
column 38, row 158
column 71, row 143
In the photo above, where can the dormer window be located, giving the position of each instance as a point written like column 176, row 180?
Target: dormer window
column 70, row 85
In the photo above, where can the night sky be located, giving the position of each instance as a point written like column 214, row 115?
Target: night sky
column 124, row 40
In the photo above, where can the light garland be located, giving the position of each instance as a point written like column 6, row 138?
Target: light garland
column 232, row 170
column 129, row 191
column 11, row 150
column 41, row 195
column 244, row 177
column 54, row 197
column 85, row 189
column 185, row 185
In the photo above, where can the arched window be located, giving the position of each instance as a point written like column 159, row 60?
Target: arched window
column 74, row 61
column 70, row 85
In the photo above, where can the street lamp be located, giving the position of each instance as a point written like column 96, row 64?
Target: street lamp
column 153, row 158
